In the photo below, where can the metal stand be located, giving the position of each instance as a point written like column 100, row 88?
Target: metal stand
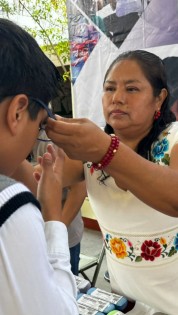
column 87, row 262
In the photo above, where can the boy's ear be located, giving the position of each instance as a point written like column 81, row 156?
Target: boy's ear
column 15, row 112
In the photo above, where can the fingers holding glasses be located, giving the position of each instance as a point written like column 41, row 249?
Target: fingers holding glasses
column 78, row 138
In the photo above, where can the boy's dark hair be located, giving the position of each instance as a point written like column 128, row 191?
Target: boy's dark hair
column 24, row 68
column 154, row 70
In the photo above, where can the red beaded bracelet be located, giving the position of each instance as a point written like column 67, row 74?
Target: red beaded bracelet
column 114, row 145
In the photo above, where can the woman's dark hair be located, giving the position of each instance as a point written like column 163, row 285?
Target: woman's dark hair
column 154, row 70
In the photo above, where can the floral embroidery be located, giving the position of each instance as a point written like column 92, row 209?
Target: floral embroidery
column 158, row 151
column 176, row 242
column 148, row 250
column 118, row 247
column 162, row 240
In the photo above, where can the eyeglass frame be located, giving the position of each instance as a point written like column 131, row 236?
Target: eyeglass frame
column 49, row 112
column 43, row 105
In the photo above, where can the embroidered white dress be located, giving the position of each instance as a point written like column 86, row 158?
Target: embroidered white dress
column 141, row 243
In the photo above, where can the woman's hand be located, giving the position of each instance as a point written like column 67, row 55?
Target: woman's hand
column 81, row 139
column 49, row 178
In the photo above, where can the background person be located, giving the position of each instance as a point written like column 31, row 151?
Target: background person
column 71, row 216
column 171, row 66
column 132, row 186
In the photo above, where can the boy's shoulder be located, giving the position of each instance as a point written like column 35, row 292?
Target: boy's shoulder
column 6, row 182
column 13, row 195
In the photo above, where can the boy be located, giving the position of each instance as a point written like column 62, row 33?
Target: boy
column 35, row 276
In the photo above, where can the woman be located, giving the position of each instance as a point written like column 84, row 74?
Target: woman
column 132, row 186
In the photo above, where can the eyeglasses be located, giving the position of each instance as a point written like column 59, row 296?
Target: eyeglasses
column 43, row 137
column 43, row 105
column 42, row 134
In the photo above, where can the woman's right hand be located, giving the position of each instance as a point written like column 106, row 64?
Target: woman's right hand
column 81, row 139
column 49, row 179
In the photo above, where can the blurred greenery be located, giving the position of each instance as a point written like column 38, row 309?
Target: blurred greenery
column 51, row 28
column 50, row 25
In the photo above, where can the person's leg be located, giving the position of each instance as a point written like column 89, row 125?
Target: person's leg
column 75, row 258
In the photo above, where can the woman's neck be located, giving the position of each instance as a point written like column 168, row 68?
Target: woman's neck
column 131, row 142
column 131, row 139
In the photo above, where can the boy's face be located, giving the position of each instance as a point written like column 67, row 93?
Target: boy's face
column 19, row 132
column 31, row 132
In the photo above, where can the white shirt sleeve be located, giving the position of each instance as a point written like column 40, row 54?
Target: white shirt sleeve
column 35, row 275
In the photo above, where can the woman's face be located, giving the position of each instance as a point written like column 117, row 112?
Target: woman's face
column 128, row 102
